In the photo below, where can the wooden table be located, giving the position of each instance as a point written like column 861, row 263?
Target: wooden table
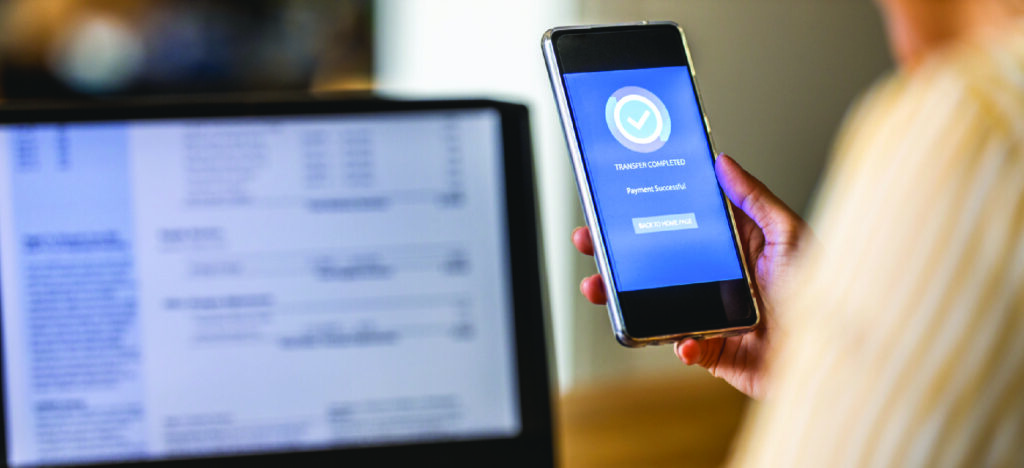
column 684, row 421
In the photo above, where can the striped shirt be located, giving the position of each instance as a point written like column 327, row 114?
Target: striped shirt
column 904, row 329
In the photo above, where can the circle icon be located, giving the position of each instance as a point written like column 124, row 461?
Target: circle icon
column 637, row 119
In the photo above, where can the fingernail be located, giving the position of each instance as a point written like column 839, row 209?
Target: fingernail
column 680, row 354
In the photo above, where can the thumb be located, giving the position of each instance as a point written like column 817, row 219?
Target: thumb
column 749, row 194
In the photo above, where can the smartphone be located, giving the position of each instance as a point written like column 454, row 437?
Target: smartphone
column 664, row 236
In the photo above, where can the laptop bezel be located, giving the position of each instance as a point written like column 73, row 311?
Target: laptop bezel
column 533, row 445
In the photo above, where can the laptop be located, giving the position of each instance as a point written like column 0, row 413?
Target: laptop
column 301, row 281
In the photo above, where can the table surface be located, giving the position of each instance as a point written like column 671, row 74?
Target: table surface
column 686, row 420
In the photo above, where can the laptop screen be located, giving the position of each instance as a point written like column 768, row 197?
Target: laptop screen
column 194, row 287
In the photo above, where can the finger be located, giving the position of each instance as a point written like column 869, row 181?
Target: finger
column 749, row 194
column 593, row 289
column 703, row 353
column 581, row 239
column 742, row 220
column 688, row 351
column 744, row 225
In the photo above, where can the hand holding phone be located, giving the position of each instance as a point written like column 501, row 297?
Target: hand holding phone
column 771, row 234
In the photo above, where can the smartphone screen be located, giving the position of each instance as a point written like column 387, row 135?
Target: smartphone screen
column 652, row 177
column 650, row 167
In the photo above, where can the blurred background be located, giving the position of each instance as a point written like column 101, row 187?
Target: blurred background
column 777, row 77
column 52, row 49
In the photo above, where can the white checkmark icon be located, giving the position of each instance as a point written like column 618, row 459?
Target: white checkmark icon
column 637, row 118
column 639, row 123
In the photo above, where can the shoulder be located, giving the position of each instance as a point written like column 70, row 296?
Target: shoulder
column 990, row 73
column 968, row 97
column 979, row 81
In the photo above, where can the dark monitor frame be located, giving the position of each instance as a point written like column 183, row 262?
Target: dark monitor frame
column 533, row 445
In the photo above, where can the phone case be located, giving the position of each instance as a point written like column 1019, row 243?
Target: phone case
column 590, row 213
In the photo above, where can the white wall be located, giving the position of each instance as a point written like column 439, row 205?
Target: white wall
column 491, row 48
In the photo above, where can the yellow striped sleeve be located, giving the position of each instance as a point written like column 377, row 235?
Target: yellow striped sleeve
column 904, row 337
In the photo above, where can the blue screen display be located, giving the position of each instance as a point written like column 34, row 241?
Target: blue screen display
column 652, row 178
